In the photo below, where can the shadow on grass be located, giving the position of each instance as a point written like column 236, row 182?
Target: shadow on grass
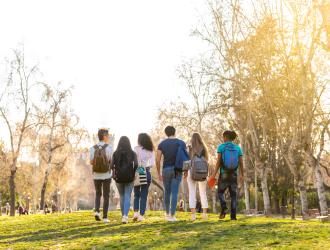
column 208, row 236
column 160, row 234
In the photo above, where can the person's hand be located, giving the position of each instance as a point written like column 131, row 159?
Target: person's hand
column 185, row 174
column 213, row 176
column 211, row 181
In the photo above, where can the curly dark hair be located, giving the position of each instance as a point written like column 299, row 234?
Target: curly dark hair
column 230, row 135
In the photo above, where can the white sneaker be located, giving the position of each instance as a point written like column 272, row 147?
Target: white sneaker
column 97, row 216
column 167, row 217
column 140, row 218
column 106, row 220
column 172, row 219
column 193, row 216
column 135, row 216
column 124, row 220
column 204, row 216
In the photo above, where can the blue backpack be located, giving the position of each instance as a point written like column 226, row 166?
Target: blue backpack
column 182, row 156
column 230, row 158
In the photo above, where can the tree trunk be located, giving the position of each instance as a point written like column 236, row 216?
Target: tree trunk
column 303, row 199
column 247, row 196
column 256, row 190
column 246, row 188
column 320, row 190
column 42, row 196
column 277, row 203
column 265, row 192
column 214, row 201
column 12, row 190
column 43, row 192
column 184, row 196
column 276, row 198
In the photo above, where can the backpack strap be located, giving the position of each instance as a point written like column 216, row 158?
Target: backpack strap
column 200, row 154
column 98, row 146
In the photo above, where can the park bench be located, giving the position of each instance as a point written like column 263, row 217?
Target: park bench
column 253, row 212
column 313, row 213
column 249, row 211
column 323, row 218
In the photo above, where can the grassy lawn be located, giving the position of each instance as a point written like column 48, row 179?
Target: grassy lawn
column 80, row 231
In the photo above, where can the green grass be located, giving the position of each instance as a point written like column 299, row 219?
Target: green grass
column 80, row 231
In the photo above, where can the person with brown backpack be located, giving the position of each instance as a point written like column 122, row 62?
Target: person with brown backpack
column 100, row 158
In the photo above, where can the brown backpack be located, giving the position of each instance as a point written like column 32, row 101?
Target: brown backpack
column 100, row 162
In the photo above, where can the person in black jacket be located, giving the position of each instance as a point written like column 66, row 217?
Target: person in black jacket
column 124, row 164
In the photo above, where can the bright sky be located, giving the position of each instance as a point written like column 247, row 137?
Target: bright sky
column 121, row 56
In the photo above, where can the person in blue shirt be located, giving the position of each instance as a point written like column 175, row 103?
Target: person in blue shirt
column 230, row 163
column 170, row 177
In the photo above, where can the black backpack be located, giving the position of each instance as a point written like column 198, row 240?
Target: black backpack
column 124, row 168
column 100, row 162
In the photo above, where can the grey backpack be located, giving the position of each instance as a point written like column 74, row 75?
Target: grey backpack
column 199, row 168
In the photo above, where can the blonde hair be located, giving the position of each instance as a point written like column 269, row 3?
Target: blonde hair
column 198, row 145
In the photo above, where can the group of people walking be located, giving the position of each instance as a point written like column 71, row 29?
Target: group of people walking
column 131, row 170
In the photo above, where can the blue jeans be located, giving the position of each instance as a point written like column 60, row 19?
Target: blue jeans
column 125, row 190
column 140, row 198
column 171, row 181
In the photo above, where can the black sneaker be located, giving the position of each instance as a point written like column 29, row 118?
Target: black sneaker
column 97, row 216
column 234, row 218
column 223, row 214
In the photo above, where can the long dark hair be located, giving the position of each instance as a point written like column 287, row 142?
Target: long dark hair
column 145, row 141
column 124, row 145
column 124, row 149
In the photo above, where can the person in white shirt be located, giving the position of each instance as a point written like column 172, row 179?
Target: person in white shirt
column 101, row 172
column 197, row 147
column 146, row 160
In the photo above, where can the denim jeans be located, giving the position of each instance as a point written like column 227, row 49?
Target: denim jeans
column 105, row 185
column 140, row 198
column 125, row 190
column 171, row 181
column 232, row 186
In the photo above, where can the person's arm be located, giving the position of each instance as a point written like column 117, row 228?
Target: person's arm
column 112, row 163
column 109, row 156
column 206, row 155
column 136, row 163
column 91, row 155
column 217, row 166
column 109, row 153
column 240, row 166
column 152, row 161
column 158, row 159
column 189, row 150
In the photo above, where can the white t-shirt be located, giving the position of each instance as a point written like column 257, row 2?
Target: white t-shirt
column 145, row 158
